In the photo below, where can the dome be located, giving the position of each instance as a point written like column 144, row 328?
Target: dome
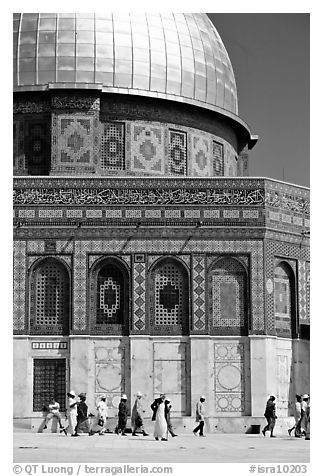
column 179, row 57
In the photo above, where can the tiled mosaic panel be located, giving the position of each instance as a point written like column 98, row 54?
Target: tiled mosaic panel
column 218, row 158
column 229, row 377
column 201, row 166
column 75, row 140
column 170, row 374
column 147, row 149
column 19, row 285
column 255, row 248
column 227, row 290
column 110, row 372
column 198, row 297
column 282, row 290
column 139, row 296
column 18, row 145
column 35, row 246
column 284, row 382
column 177, row 153
column 112, row 146
column 302, row 291
column 276, row 248
column 308, row 301
column 37, row 148
column 110, row 296
column 169, row 285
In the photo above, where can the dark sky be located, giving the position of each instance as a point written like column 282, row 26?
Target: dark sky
column 270, row 56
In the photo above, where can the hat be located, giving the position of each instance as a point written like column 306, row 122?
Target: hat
column 71, row 392
column 305, row 396
column 103, row 397
column 202, row 396
column 139, row 394
column 82, row 395
column 162, row 394
column 124, row 397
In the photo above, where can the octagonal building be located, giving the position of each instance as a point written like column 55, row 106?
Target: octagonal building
column 145, row 258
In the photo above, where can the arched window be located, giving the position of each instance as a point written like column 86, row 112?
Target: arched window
column 109, row 300
column 228, row 297
column 50, row 298
column 168, row 298
column 284, row 300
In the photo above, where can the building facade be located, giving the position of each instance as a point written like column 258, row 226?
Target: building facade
column 145, row 257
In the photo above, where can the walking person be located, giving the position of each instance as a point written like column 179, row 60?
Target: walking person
column 122, row 416
column 297, row 416
column 270, row 415
column 160, row 410
column 71, row 412
column 54, row 413
column 137, row 416
column 82, row 417
column 200, row 416
column 304, row 414
column 168, row 420
column 102, row 415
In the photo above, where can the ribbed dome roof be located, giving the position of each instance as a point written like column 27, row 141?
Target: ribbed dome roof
column 177, row 56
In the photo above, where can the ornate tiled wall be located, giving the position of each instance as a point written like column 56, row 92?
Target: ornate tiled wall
column 303, row 291
column 229, row 375
column 87, row 139
column 19, row 285
column 139, row 297
column 18, row 148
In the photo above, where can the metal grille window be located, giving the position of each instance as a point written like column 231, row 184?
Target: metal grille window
column 169, row 297
column 50, row 297
column 49, row 382
column 218, row 159
column 112, row 147
column 110, row 295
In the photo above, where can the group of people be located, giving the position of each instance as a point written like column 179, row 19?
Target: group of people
column 77, row 415
column 301, row 415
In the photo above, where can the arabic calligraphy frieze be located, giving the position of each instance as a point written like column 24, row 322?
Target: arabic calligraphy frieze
column 112, row 196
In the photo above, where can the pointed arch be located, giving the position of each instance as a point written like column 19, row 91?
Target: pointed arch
column 284, row 292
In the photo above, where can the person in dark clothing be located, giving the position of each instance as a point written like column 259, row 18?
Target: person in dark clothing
column 82, row 417
column 122, row 416
column 168, row 420
column 160, row 408
column 270, row 414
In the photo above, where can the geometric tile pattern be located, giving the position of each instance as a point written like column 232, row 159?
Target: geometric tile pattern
column 282, row 290
column 75, row 139
column 110, row 372
column 229, row 377
column 308, row 290
column 170, row 373
column 35, row 246
column 200, row 157
column 302, row 291
column 177, row 153
column 112, row 146
column 79, row 291
column 109, row 296
column 139, row 296
column 198, row 293
column 147, row 149
column 19, row 285
column 218, row 159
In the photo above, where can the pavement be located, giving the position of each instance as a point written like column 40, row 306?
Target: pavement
column 30, row 447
